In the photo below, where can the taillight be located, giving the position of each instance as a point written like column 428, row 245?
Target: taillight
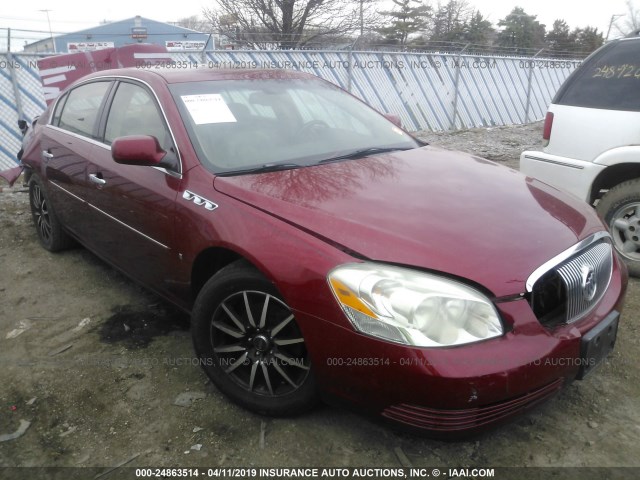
column 546, row 131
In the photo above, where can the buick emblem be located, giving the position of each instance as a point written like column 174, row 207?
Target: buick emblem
column 589, row 285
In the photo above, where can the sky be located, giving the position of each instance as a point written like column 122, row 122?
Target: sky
column 67, row 17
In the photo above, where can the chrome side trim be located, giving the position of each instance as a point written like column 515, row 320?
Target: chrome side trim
column 558, row 259
column 171, row 173
column 555, row 162
column 109, row 216
column 129, row 227
column 67, row 191
column 75, row 135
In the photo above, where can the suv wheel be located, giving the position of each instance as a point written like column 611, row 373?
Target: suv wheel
column 620, row 209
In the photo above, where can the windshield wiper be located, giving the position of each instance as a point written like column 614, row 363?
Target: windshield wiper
column 364, row 152
column 267, row 167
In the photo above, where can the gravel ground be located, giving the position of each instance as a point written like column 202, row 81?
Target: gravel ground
column 500, row 144
column 96, row 365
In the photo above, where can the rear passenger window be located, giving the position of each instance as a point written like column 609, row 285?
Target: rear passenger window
column 609, row 80
column 80, row 111
column 55, row 120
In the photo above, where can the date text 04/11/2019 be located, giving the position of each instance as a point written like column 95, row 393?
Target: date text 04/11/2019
column 314, row 472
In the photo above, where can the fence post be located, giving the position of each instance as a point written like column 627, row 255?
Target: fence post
column 14, row 84
column 530, row 79
column 203, row 53
column 349, row 69
column 350, row 64
column 455, row 91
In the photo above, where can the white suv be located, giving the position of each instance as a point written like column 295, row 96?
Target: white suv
column 592, row 142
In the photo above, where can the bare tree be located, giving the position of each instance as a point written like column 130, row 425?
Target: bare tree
column 630, row 23
column 194, row 22
column 287, row 23
column 450, row 19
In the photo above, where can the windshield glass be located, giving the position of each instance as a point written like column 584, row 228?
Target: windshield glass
column 245, row 125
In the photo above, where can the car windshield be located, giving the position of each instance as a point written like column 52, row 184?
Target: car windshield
column 242, row 126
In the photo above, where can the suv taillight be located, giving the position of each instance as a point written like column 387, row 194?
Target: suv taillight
column 546, row 131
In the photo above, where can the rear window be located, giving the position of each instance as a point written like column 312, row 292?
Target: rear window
column 610, row 79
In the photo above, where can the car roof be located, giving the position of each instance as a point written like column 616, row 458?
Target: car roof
column 199, row 74
column 630, row 38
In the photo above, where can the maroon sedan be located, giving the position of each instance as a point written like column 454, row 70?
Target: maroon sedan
column 324, row 252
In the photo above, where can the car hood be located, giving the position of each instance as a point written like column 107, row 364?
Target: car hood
column 429, row 208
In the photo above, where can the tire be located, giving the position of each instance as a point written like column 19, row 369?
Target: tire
column 249, row 343
column 50, row 232
column 620, row 210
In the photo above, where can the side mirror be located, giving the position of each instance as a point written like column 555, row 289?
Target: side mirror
column 393, row 118
column 141, row 150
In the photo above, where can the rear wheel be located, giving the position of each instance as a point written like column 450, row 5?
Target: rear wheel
column 250, row 345
column 620, row 210
column 50, row 232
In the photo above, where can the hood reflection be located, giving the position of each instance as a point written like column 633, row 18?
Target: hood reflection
column 561, row 210
column 309, row 185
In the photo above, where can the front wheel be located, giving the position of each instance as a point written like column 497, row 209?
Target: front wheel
column 620, row 210
column 250, row 345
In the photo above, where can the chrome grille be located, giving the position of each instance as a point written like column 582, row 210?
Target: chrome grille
column 586, row 278
column 570, row 285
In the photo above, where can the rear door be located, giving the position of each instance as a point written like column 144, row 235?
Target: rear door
column 67, row 142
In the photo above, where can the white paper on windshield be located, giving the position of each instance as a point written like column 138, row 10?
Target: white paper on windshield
column 208, row 108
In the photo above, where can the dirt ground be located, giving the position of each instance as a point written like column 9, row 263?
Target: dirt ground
column 95, row 364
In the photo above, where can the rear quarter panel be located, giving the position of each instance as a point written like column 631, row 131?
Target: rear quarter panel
column 586, row 133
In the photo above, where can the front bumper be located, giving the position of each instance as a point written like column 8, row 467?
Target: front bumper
column 452, row 392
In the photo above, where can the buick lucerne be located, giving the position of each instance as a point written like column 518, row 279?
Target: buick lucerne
column 322, row 251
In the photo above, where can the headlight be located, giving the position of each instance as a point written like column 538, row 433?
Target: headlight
column 411, row 307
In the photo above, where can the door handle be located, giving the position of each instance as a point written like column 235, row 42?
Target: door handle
column 47, row 155
column 96, row 179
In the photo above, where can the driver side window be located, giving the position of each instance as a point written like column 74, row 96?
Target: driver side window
column 134, row 112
